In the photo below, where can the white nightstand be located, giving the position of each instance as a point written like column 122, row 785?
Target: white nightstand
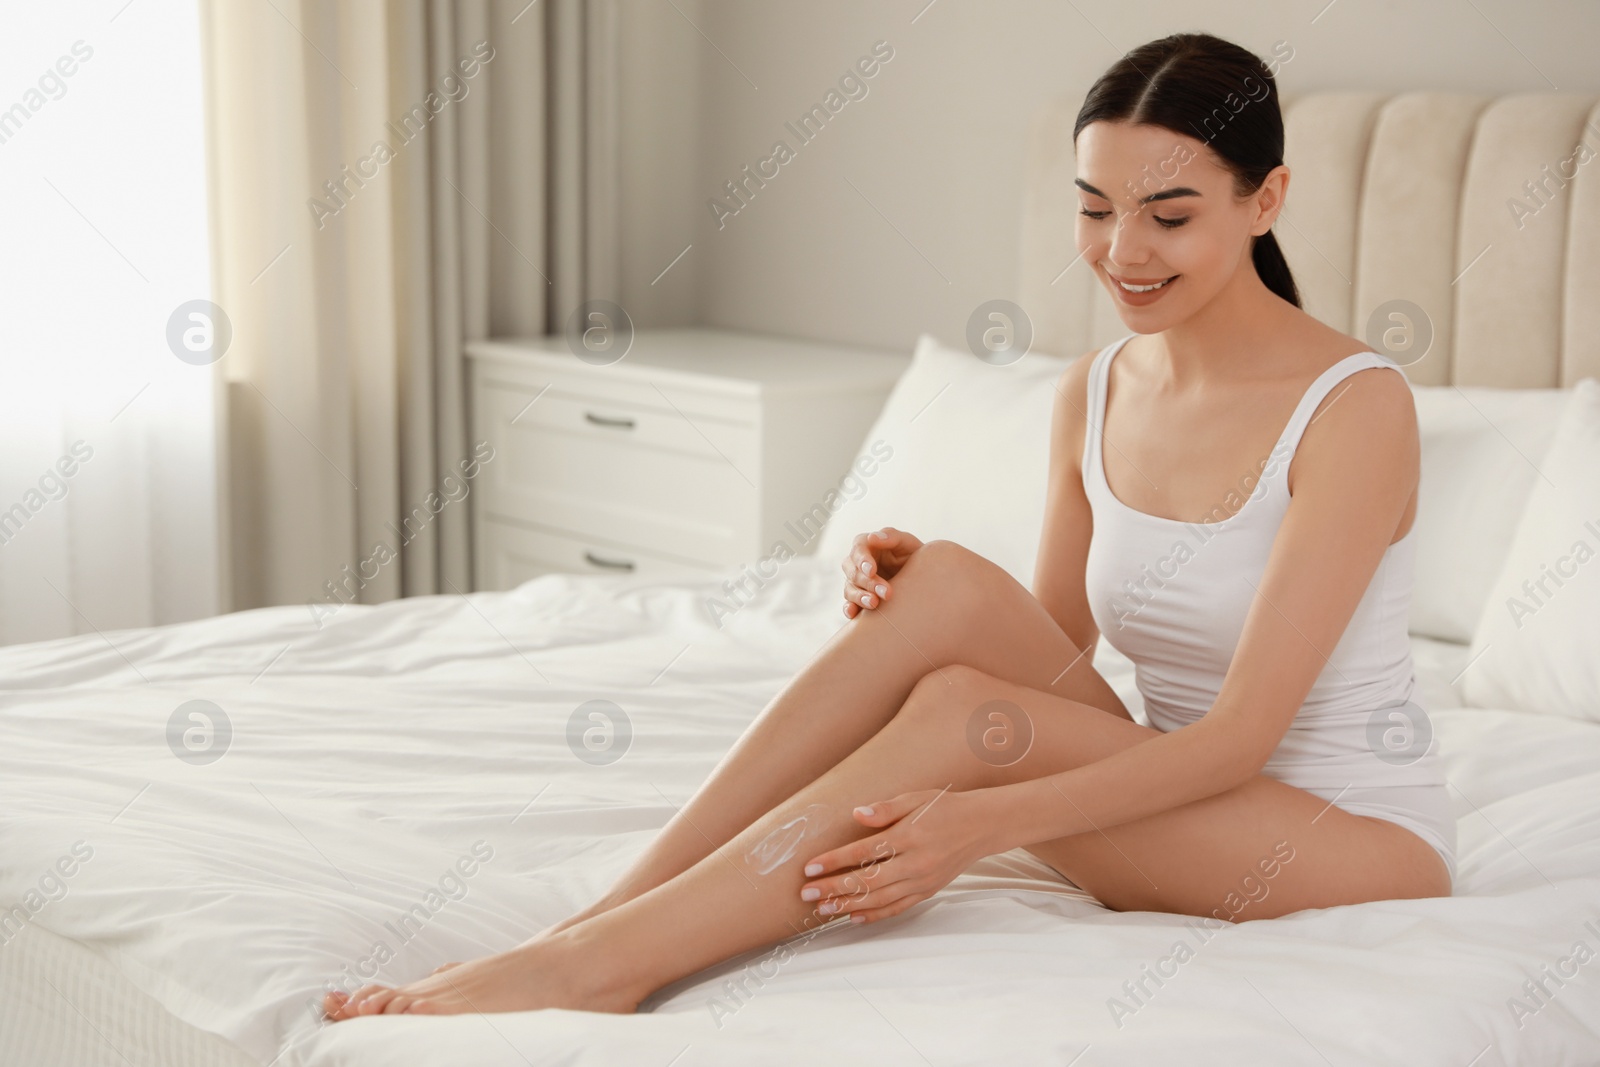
column 694, row 453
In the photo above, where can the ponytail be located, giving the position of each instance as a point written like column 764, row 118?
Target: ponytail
column 1273, row 268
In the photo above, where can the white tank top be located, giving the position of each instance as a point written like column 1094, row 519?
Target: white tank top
column 1172, row 596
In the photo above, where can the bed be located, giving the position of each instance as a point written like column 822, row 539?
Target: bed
column 204, row 823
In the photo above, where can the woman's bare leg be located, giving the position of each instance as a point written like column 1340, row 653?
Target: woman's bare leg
column 1189, row 860
column 946, row 605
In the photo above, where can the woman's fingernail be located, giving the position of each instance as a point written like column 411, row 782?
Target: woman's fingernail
column 827, row 909
column 813, row 869
column 810, row 894
column 882, row 590
column 858, row 918
column 866, row 568
column 864, row 811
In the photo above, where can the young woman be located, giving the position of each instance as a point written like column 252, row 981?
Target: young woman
column 1231, row 499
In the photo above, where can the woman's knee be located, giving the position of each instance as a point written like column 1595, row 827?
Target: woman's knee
column 949, row 693
column 950, row 572
column 962, row 720
column 941, row 556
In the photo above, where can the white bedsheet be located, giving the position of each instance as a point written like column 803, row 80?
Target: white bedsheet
column 368, row 756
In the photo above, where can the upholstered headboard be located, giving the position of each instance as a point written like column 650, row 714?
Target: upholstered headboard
column 1483, row 212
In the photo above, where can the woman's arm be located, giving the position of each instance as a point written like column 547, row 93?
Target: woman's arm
column 1355, row 471
column 1064, row 538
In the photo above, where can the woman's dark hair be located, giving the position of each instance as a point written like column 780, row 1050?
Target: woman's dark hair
column 1202, row 86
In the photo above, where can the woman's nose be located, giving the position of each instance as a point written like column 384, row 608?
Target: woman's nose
column 1128, row 247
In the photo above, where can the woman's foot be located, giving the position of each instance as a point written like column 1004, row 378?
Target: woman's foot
column 599, row 907
column 542, row 973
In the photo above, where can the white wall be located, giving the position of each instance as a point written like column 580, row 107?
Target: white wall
column 937, row 143
column 659, row 122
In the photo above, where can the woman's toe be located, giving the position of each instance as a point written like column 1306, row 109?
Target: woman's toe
column 352, row 1005
column 373, row 1005
column 396, row 1004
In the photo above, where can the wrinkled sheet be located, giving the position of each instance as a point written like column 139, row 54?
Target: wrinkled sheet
column 365, row 758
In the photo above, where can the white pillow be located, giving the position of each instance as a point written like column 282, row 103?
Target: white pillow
column 1478, row 449
column 1535, row 646
column 970, row 460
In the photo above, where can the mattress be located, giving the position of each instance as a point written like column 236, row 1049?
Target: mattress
column 225, row 868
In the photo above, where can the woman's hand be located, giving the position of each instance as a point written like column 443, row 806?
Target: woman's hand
column 930, row 836
column 874, row 558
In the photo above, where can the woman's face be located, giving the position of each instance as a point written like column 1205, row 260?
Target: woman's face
column 1157, row 207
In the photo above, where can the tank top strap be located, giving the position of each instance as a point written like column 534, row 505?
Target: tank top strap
column 1325, row 382
column 1094, row 429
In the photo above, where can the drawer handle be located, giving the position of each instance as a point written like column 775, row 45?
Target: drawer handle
column 611, row 564
column 601, row 420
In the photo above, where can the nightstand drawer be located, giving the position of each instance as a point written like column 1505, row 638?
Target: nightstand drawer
column 651, row 426
column 626, row 473
column 510, row 554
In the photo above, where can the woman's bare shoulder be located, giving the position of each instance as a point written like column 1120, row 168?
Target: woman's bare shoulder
column 1074, row 379
column 1371, row 404
column 1322, row 344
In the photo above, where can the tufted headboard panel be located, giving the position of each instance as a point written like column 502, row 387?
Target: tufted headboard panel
column 1474, row 218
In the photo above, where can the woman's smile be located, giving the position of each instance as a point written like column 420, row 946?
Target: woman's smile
column 1138, row 292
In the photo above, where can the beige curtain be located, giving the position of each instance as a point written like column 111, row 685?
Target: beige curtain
column 387, row 182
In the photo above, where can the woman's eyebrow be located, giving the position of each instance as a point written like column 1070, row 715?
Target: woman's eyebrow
column 1164, row 194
